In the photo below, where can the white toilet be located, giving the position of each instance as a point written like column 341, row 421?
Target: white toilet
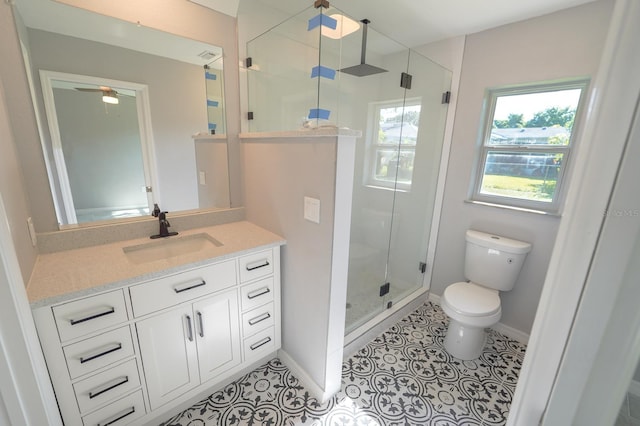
column 492, row 264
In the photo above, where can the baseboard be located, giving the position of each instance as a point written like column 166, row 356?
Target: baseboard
column 501, row 328
column 309, row 384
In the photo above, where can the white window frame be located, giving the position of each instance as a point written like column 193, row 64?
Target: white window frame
column 484, row 146
column 373, row 146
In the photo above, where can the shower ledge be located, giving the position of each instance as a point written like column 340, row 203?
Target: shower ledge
column 322, row 132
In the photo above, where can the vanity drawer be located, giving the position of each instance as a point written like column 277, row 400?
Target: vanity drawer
column 107, row 386
column 90, row 354
column 165, row 292
column 121, row 412
column 257, row 319
column 256, row 265
column 256, row 294
column 260, row 344
column 85, row 316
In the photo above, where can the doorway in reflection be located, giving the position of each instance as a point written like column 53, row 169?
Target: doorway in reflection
column 100, row 147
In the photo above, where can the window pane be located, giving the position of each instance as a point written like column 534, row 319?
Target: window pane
column 391, row 164
column 399, row 125
column 544, row 118
column 523, row 175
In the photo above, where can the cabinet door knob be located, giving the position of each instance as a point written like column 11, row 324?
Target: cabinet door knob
column 189, row 328
column 200, row 324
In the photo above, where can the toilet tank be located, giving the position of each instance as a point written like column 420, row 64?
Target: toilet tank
column 494, row 261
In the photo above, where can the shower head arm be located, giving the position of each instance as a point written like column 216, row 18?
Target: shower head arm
column 363, row 52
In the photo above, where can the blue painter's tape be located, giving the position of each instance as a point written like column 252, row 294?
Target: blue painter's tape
column 210, row 76
column 323, row 72
column 324, row 20
column 320, row 113
column 212, row 126
column 212, row 103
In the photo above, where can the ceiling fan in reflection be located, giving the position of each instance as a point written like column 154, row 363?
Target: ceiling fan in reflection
column 109, row 95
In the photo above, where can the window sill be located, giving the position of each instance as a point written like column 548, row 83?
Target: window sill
column 519, row 209
column 386, row 188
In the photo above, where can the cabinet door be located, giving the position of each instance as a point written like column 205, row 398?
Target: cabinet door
column 168, row 350
column 218, row 333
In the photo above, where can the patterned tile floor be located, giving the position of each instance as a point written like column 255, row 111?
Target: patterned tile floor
column 403, row 377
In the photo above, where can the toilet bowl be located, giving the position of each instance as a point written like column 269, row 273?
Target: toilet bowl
column 492, row 264
column 471, row 308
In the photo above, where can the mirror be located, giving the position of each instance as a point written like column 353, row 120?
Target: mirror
column 187, row 163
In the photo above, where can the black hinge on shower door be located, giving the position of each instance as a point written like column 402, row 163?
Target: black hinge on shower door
column 384, row 289
column 405, row 80
column 248, row 62
column 422, row 267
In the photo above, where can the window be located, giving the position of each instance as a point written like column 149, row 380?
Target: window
column 526, row 143
column 392, row 146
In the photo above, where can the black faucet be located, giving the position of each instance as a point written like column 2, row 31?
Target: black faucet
column 164, row 223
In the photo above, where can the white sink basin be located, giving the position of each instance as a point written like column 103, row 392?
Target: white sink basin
column 170, row 247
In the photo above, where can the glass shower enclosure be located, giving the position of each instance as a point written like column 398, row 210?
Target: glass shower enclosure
column 322, row 69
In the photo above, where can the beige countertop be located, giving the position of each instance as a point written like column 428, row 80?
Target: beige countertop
column 68, row 274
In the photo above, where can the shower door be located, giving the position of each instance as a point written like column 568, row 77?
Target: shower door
column 395, row 186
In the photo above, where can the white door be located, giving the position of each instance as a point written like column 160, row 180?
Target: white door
column 168, row 349
column 218, row 334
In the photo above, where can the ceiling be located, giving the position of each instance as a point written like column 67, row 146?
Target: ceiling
column 417, row 22
column 409, row 22
column 75, row 22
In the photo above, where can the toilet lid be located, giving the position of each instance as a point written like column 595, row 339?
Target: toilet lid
column 471, row 299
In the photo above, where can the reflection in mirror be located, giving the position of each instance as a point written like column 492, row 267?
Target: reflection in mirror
column 179, row 106
column 100, row 146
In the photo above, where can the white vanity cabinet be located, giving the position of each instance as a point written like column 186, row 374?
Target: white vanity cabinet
column 189, row 345
column 90, row 348
column 133, row 354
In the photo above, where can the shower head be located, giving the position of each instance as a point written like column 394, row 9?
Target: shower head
column 363, row 69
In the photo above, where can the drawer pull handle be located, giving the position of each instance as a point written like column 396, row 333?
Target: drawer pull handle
column 200, row 323
column 93, row 315
column 257, row 293
column 108, row 386
column 189, row 328
column 257, row 265
column 260, row 343
column 121, row 415
column 189, row 285
column 259, row 318
column 101, row 352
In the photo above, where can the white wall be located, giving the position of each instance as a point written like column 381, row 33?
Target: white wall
column 560, row 45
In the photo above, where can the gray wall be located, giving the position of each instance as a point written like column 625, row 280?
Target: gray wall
column 560, row 45
column 12, row 184
column 278, row 175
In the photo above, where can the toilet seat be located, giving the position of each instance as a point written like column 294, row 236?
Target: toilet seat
column 471, row 300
